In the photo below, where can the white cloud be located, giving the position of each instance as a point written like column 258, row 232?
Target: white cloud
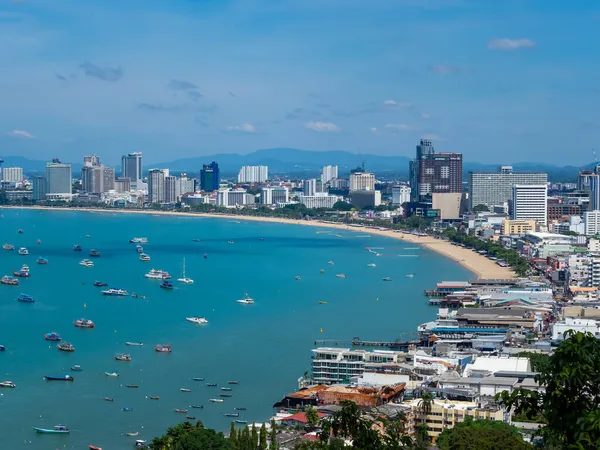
column 432, row 137
column 393, row 104
column 21, row 134
column 373, row 130
column 322, row 127
column 243, row 128
column 509, row 44
column 395, row 127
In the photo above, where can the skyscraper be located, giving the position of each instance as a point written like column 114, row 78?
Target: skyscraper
column 170, row 189
column 13, row 174
column 92, row 179
column 58, row 178
column 362, row 181
column 39, row 187
column 530, row 202
column 156, row 186
column 253, row 174
column 131, row 167
column 108, row 179
column 310, row 187
column 209, row 177
column 91, row 161
column 329, row 173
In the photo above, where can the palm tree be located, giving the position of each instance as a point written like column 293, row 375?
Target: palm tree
column 425, row 403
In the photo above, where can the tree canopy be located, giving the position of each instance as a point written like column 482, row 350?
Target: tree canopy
column 187, row 436
column 482, row 435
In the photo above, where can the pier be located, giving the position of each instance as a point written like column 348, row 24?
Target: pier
column 398, row 344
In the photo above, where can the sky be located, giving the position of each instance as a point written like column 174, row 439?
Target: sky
column 500, row 81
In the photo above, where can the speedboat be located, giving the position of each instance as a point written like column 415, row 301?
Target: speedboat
column 58, row 429
column 226, row 389
column 197, row 319
column 112, row 374
column 330, row 263
column 84, row 323
column 321, row 271
column 322, row 303
column 63, row 378
column 298, row 277
column 162, row 348
column 165, row 284
column 65, row 346
column 23, row 251
column 231, row 414
column 216, row 400
column 2, row 348
column 410, row 275
column 225, row 395
column 185, row 390
column 198, row 406
column 140, row 443
column 138, row 240
column 155, row 274
column 20, row 231
column 77, row 248
column 371, row 265
column 247, row 300
column 211, row 384
column 144, row 257
column 127, row 409
column 24, row 298
column 154, row 397
column 241, row 421
column 21, row 274
column 181, row 411
column 133, row 434
column 115, row 292
column 123, row 357
column 42, row 261
column 198, row 379
column 387, row 279
column 8, row 247
column 341, row 275
column 205, row 256
column 76, row 368
column 183, row 278
column 86, row 263
column 133, row 386
column 134, row 344
column 7, row 384
column 93, row 447
column 243, row 408
column 233, row 382
column 109, row 399
column 100, row 284
column 11, row 281
column 53, row 336
column 94, row 253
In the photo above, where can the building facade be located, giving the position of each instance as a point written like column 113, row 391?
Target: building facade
column 530, row 202
column 234, row 198
column 210, row 177
column 274, row 195
column 108, row 179
column 122, row 185
column 170, row 195
column 156, row 186
column 253, row 174
column 58, row 178
column 517, row 227
column 591, row 220
column 131, row 167
column 91, row 161
column 433, row 172
column 400, row 194
column 39, row 187
column 329, row 173
column 362, row 181
column 319, row 200
column 92, row 179
column 12, row 174
column 364, row 199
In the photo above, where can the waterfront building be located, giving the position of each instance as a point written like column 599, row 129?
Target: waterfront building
column 170, row 186
column 319, row 200
column 530, row 202
column 91, row 161
column 210, row 177
column 517, row 227
column 184, row 185
column 253, row 174
column 39, row 187
column 156, row 186
column 591, row 220
column 364, row 199
column 329, row 173
column 58, row 178
column 92, row 179
column 122, row 185
column 495, row 188
column 400, row 194
column 108, row 179
column 131, row 167
column 362, row 181
column 12, row 174
column 234, row 198
column 274, row 195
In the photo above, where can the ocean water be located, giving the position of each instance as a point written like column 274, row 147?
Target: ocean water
column 265, row 346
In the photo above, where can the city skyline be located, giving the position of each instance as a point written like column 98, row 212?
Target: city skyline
column 191, row 79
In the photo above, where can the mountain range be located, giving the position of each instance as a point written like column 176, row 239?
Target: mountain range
column 290, row 161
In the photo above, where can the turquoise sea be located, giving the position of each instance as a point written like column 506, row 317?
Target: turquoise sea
column 265, row 346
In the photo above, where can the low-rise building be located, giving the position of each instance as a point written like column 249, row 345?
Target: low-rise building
column 319, row 200
column 517, row 227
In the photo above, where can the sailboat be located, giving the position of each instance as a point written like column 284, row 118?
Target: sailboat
column 183, row 278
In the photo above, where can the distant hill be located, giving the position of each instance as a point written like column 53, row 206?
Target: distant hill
column 32, row 166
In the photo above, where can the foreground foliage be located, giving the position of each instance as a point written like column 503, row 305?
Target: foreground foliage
column 482, row 435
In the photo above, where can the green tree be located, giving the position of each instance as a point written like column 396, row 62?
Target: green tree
column 273, row 445
column 481, row 208
column 254, row 436
column 425, row 403
column 233, row 435
column 312, row 417
column 262, row 438
column 539, row 361
column 422, row 437
column 342, row 206
column 349, row 423
column 481, row 435
column 570, row 403
column 186, row 436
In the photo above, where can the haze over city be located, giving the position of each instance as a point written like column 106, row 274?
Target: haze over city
column 498, row 81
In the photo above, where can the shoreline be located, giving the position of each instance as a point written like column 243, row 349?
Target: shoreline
column 477, row 264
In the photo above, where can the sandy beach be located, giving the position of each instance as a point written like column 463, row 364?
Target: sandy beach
column 472, row 261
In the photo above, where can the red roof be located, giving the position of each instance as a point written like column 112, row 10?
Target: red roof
column 300, row 417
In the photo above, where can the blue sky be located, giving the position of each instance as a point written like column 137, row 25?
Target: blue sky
column 501, row 81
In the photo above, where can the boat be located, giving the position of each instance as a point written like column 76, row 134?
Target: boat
column 247, row 300
column 230, row 242
column 410, row 275
column 225, row 395
column 24, row 298
column 133, row 434
column 165, row 284
column 154, row 397
column 216, row 400
column 84, row 323
column 25, row 268
column 139, row 248
column 243, row 408
column 21, row 274
column 88, row 236
column 231, row 415
column 109, row 399
column 114, row 292
column 233, row 382
column 198, row 379
column 23, row 251
column 93, row 447
column 140, row 443
column 2, row 348
column 185, row 390
column 144, row 257
column 371, row 265
column 387, row 279
column 94, row 253
column 112, row 374
column 322, row 303
column 20, row 231
column 7, row 384
column 100, row 284
column 8, row 280
column 330, row 263
column 183, row 278
column 261, row 238
column 321, row 271
column 76, row 368
column 39, row 241
column 8, row 247
column 86, row 263
column 241, row 421
column 205, row 256
column 226, row 389
column 63, row 378
column 341, row 275
column 197, row 319
column 196, row 240
column 65, row 346
column 77, row 248
column 155, row 274
column 57, row 429
column 161, row 348
column 133, row 386
column 123, row 357
column 198, row 406
column 134, row 344
column 211, row 384
column 191, row 417
column 298, row 277
column 136, row 240
column 127, row 409
column 182, row 411
column 42, row 261
column 53, row 336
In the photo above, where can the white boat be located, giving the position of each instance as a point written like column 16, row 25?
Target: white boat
column 155, row 274
column 247, row 300
column 23, row 251
column 111, row 374
column 341, row 275
column 8, row 384
column 138, row 240
column 25, row 268
column 8, row 247
column 410, row 275
column 183, row 278
column 86, row 263
column 216, row 400
column 134, row 344
column 197, row 319
column 115, row 292
column 144, row 257
column 371, row 265
column 330, row 263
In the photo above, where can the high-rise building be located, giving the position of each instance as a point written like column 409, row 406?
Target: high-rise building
column 495, row 188
column 58, row 178
column 530, row 202
column 131, row 167
column 108, row 179
column 91, row 161
column 433, row 172
column 122, row 185
column 274, row 195
column 92, row 179
column 362, row 181
column 309, row 187
column 39, row 187
column 170, row 195
column 12, row 174
column 184, row 185
column 400, row 194
column 209, row 177
column 329, row 173
column 156, row 186
column 232, row 198
column 253, row 174
column 319, row 200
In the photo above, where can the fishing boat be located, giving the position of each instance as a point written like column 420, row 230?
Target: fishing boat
column 8, row 247
column 184, row 279
column 197, row 319
column 182, row 411
column 133, row 434
column 134, row 344
column 211, row 384
column 133, row 386
column 191, row 417
column 139, row 248
column 77, row 248
column 233, row 382
column 161, row 348
column 243, row 408
column 241, row 421
column 158, row 274
column 138, row 240
column 62, row 378
column 198, row 379
column 76, row 368
column 109, row 399
column 115, row 292
column 7, row 384
column 57, row 429
column 198, row 406
column 322, row 303
column 94, row 253
column 226, row 389
column 23, row 251
column 21, row 274
column 341, row 275
column 24, row 298
column 127, row 409
column 225, row 395
column 166, row 284
column 247, row 300
column 216, row 400
column 114, row 373
column 371, row 265
column 42, row 261
column 185, row 390
column 387, row 279
column 8, row 280
column 154, row 397
column 144, row 257
column 100, row 284
column 231, row 415
column 123, row 357
column 65, row 346
column 86, row 263
column 84, row 323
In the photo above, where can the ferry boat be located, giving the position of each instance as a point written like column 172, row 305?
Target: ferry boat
column 155, row 274
column 77, row 248
column 62, row 378
column 247, row 300
column 197, row 319
column 86, row 263
column 53, row 336
column 123, row 357
column 41, row 260
column 11, row 281
column 21, row 274
column 23, row 251
column 94, row 253
column 115, row 292
column 100, row 284
column 134, row 344
column 8, row 247
column 387, row 279
column 165, row 284
column 216, row 400
column 57, row 429
column 84, row 323
column 65, row 346
column 7, row 384
column 161, row 348
column 183, row 278
column 144, row 257
column 24, row 298
column 138, row 240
